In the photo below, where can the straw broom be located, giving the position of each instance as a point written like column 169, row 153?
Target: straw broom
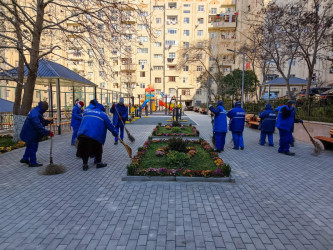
column 128, row 149
column 52, row 169
column 317, row 147
column 212, row 121
column 130, row 137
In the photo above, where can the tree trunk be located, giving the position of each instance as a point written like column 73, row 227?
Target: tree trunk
column 18, row 121
column 34, row 58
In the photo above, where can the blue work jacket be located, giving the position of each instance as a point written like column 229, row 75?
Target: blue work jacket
column 286, row 117
column 122, row 111
column 33, row 128
column 220, row 120
column 237, row 119
column 76, row 117
column 267, row 120
column 95, row 123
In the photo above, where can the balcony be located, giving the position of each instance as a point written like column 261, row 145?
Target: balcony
column 221, row 25
column 170, row 60
column 128, row 68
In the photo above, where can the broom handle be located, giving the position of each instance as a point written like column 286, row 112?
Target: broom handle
column 51, row 157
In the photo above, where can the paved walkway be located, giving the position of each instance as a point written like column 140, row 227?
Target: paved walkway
column 277, row 202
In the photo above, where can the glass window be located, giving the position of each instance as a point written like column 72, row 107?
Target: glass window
column 200, row 20
column 158, row 20
column 143, row 38
column 158, row 55
column 212, row 35
column 187, row 11
column 200, row 32
column 142, row 62
column 185, row 68
column 186, row 20
column 186, row 32
column 172, row 78
column 172, row 55
column 201, row 8
column 158, row 79
column 213, row 11
column 172, row 31
column 158, row 44
column 143, row 50
column 186, row 44
column 199, row 68
column 142, row 74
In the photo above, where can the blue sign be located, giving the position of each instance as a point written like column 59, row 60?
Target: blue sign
column 162, row 94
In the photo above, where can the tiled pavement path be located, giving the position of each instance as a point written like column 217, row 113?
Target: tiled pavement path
column 277, row 202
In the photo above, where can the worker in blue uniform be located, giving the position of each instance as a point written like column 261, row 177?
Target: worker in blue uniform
column 120, row 116
column 236, row 125
column 32, row 131
column 220, row 127
column 76, row 119
column 285, row 123
column 92, row 134
column 267, row 125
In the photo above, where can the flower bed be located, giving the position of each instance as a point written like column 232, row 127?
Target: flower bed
column 162, row 158
column 170, row 130
column 7, row 145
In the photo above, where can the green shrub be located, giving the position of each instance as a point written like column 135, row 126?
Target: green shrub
column 140, row 149
column 131, row 169
column 226, row 169
column 176, row 124
column 178, row 159
column 175, row 130
column 177, row 144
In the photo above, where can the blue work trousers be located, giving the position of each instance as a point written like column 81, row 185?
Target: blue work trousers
column 219, row 140
column 263, row 138
column 121, row 128
column 237, row 137
column 74, row 136
column 284, row 140
column 30, row 152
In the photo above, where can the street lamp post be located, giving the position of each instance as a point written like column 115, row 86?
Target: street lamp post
column 242, row 53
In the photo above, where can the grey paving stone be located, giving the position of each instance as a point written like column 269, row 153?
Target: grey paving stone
column 276, row 202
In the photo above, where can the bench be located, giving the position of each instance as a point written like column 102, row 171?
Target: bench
column 326, row 141
column 254, row 122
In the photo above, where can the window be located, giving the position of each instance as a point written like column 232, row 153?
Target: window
column 143, row 13
column 171, row 42
column 186, row 20
column 200, row 20
column 185, row 68
column 199, row 68
column 185, row 92
column 211, row 69
column 142, row 74
column 199, row 92
column 172, row 91
column 102, row 74
column 100, row 26
column 143, row 50
column 158, row 8
column 158, row 68
column 186, row 44
column 187, row 11
column 213, row 11
column 143, row 39
column 90, row 52
column 292, row 62
column 172, row 31
column 172, row 55
column 115, row 85
column 201, row 8
column 198, row 79
column 199, row 44
column 187, row 5
column 90, row 63
column 126, row 61
column 172, row 78
column 184, row 79
column 101, row 62
column 157, row 91
column 142, row 26
column 158, row 55
column 186, row 32
column 158, row 79
column 199, row 56
column 200, row 32
column 186, row 56
column 158, row 44
column 212, row 35
column 142, row 85
column 172, row 5
column 142, row 62
column 158, row 20
column 158, row 32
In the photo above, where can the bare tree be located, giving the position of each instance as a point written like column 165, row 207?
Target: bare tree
column 309, row 27
column 99, row 24
column 209, row 56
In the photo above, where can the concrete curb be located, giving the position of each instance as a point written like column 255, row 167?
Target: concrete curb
column 179, row 178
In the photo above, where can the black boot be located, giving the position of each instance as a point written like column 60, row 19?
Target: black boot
column 36, row 165
column 101, row 165
column 85, row 167
column 289, row 153
column 25, row 161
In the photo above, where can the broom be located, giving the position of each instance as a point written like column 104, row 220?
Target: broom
column 128, row 149
column 317, row 148
column 130, row 137
column 52, row 169
column 212, row 121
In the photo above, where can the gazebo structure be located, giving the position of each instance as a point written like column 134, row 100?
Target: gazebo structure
column 53, row 74
column 279, row 84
